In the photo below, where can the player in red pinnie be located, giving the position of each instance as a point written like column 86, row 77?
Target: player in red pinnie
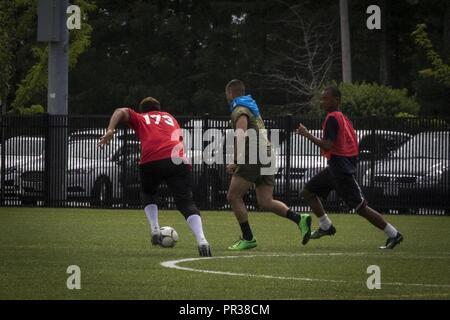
column 162, row 159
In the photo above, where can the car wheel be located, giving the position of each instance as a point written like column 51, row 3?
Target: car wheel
column 101, row 194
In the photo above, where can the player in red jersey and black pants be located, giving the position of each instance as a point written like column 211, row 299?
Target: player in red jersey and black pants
column 162, row 159
column 339, row 144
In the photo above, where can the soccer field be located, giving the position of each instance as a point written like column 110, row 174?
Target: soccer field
column 112, row 249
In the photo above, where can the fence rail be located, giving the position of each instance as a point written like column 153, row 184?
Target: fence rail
column 404, row 164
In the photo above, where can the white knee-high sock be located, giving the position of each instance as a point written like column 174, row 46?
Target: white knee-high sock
column 390, row 230
column 324, row 222
column 151, row 211
column 195, row 223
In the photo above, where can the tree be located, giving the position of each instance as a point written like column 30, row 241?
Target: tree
column 18, row 27
column 367, row 99
column 185, row 51
column 139, row 49
column 438, row 71
column 7, row 49
column 303, row 57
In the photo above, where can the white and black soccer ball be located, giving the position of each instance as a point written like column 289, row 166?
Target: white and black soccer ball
column 169, row 237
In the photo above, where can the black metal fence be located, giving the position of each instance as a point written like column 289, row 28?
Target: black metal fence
column 404, row 164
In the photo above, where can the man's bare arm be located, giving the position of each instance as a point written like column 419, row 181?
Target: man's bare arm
column 323, row 144
column 241, row 128
column 119, row 115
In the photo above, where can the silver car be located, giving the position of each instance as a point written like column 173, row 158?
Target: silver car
column 97, row 175
column 304, row 161
column 21, row 152
column 417, row 174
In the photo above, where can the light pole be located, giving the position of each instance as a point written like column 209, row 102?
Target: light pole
column 52, row 29
column 345, row 42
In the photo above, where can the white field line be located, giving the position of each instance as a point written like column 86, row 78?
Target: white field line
column 174, row 264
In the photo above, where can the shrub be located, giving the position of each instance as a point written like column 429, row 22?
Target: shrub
column 373, row 99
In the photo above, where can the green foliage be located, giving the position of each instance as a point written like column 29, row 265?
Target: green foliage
column 36, row 78
column 7, row 48
column 34, row 109
column 35, row 81
column 205, row 99
column 373, row 99
column 404, row 115
column 180, row 52
column 439, row 71
column 80, row 39
column 184, row 52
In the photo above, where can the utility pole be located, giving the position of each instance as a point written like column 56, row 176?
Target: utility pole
column 345, row 42
column 52, row 28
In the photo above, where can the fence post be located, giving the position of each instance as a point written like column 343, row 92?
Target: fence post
column 288, row 123
column 3, row 159
column 46, row 193
column 373, row 120
column 204, row 168
column 56, row 160
column 124, row 165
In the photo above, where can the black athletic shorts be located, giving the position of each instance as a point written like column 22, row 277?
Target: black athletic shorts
column 345, row 185
column 177, row 177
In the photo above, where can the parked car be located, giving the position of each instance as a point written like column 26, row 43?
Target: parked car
column 97, row 175
column 377, row 145
column 97, row 133
column 20, row 152
column 415, row 174
column 210, row 181
column 304, row 160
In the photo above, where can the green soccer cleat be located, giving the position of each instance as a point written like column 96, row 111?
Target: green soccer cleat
column 242, row 244
column 305, row 227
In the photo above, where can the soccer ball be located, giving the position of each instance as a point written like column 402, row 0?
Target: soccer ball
column 169, row 237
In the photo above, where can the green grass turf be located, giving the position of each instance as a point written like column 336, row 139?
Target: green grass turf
column 113, row 250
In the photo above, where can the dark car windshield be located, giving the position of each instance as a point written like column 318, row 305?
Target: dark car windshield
column 433, row 145
column 381, row 144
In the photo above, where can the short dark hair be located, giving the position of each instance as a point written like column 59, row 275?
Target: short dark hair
column 149, row 104
column 335, row 92
column 236, row 86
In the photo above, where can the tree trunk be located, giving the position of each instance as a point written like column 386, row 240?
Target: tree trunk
column 385, row 52
column 345, row 42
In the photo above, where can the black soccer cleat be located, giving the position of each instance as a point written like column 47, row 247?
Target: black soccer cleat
column 319, row 233
column 392, row 242
column 156, row 239
column 204, row 250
